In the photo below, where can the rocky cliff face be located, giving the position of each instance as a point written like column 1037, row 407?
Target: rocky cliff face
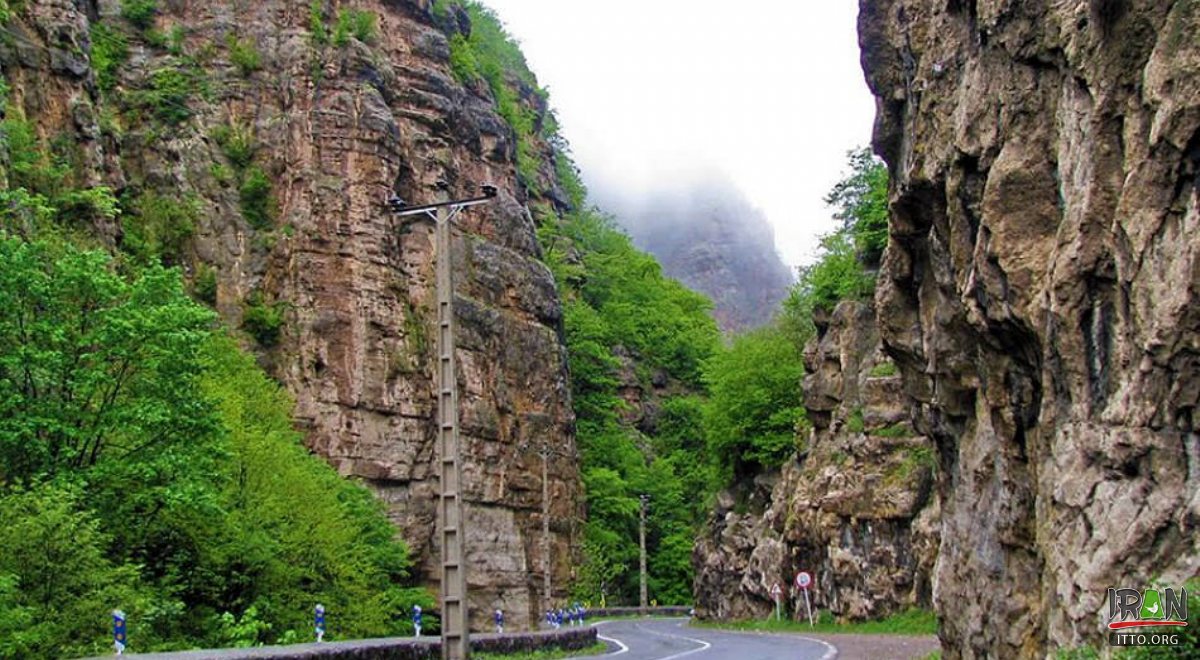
column 856, row 509
column 708, row 236
column 1039, row 293
column 338, row 125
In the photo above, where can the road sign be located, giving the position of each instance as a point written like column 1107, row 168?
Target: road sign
column 319, row 621
column 776, row 590
column 803, row 580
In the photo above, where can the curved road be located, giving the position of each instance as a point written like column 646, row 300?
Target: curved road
column 668, row 639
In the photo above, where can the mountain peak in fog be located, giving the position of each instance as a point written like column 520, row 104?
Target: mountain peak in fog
column 710, row 237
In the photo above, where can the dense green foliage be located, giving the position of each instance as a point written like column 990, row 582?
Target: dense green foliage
column 755, row 402
column 624, row 320
column 146, row 462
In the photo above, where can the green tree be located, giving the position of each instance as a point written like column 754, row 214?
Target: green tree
column 93, row 367
column 860, row 202
column 57, row 583
column 755, row 402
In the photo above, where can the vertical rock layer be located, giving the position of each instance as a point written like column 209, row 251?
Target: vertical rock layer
column 855, row 508
column 338, row 128
column 1039, row 293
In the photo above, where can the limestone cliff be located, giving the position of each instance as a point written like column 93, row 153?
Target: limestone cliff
column 855, row 509
column 1039, row 294
column 339, row 294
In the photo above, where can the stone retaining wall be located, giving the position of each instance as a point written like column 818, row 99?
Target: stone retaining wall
column 407, row 648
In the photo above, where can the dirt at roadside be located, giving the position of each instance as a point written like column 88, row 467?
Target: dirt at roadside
column 880, row 647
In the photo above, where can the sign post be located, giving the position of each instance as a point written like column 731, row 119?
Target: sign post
column 776, row 592
column 803, row 582
column 119, row 638
column 319, row 621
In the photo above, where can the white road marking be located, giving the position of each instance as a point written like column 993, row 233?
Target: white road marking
column 830, row 650
column 704, row 645
column 624, row 649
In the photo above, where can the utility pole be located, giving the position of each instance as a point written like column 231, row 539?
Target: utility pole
column 642, row 541
column 546, row 568
column 452, row 522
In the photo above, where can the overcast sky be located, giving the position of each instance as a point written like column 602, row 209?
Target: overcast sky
column 656, row 92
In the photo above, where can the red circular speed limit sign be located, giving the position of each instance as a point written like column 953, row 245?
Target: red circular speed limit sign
column 803, row 580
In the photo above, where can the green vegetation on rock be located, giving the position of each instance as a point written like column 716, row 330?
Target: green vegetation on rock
column 146, row 462
column 488, row 53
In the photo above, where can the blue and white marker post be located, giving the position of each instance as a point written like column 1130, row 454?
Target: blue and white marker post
column 119, row 638
column 319, row 620
column 416, row 620
column 500, row 621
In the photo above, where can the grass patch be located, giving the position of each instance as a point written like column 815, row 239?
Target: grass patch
column 140, row 13
column 258, row 206
column 357, row 23
column 897, row 430
column 545, row 654
column 110, row 51
column 910, row 622
column 244, row 55
column 263, row 321
column 884, row 370
column 856, row 423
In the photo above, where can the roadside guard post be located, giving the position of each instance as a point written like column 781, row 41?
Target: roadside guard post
column 803, row 582
column 119, row 638
column 319, row 619
column 500, row 622
column 416, row 620
column 776, row 592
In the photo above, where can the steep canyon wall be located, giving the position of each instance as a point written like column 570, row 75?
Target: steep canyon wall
column 855, row 507
column 338, row 126
column 1039, row 294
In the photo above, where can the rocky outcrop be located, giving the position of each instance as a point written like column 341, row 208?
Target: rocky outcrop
column 1039, row 294
column 856, row 508
column 338, row 125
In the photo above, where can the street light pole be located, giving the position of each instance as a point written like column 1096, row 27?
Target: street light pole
column 456, row 643
column 642, row 542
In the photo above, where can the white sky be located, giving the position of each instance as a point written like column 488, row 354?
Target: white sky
column 652, row 92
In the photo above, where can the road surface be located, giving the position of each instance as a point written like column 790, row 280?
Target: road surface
column 668, row 639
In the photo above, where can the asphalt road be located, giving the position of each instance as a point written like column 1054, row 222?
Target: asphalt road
column 668, row 639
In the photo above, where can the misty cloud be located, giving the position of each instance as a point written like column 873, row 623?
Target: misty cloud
column 709, row 236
